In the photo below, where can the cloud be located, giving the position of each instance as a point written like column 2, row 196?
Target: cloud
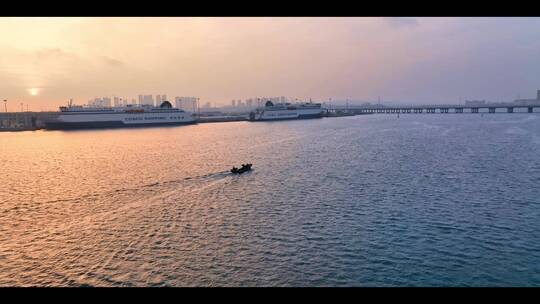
column 401, row 22
column 112, row 61
column 48, row 52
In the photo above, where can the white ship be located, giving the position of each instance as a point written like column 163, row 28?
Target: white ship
column 81, row 117
column 280, row 111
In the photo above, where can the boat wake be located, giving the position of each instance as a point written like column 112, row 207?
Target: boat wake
column 183, row 183
column 100, row 207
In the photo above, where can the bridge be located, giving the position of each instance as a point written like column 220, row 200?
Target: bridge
column 441, row 108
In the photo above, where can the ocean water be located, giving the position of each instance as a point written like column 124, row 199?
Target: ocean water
column 371, row 200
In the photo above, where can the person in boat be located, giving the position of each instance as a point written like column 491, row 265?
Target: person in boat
column 244, row 168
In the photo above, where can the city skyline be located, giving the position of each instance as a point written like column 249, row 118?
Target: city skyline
column 45, row 62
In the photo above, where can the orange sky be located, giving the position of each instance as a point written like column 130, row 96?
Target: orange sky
column 46, row 61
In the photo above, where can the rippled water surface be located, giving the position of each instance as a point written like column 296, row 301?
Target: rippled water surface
column 423, row 200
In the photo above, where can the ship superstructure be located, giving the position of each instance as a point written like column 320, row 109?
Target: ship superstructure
column 281, row 111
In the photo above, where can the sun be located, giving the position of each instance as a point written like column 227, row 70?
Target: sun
column 33, row 91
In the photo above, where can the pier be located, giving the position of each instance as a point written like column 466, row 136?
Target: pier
column 18, row 121
column 222, row 118
column 23, row 121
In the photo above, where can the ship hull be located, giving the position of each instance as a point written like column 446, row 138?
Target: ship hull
column 68, row 121
column 108, row 125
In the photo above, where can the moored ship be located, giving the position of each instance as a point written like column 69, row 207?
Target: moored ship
column 281, row 111
column 81, row 117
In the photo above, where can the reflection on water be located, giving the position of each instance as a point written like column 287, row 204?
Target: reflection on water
column 365, row 200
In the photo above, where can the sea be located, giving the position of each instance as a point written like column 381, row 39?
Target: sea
column 367, row 200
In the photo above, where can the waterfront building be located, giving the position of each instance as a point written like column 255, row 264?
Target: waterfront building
column 475, row 102
column 529, row 101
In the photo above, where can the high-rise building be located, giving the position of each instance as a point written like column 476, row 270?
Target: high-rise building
column 233, row 103
column 186, row 103
column 116, row 101
column 148, row 100
column 158, row 100
column 249, row 102
column 194, row 104
column 163, row 97
column 97, row 102
column 178, row 102
column 538, row 95
column 106, row 101
column 141, row 100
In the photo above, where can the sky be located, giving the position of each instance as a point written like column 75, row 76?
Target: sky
column 46, row 61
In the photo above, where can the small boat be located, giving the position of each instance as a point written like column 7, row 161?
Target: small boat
column 244, row 168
